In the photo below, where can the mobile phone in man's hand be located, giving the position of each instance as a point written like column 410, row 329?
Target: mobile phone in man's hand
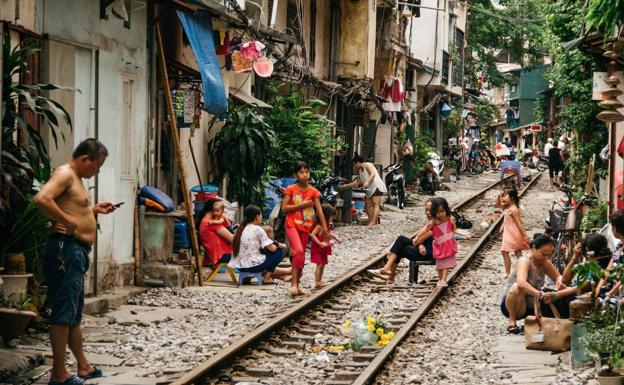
column 117, row 205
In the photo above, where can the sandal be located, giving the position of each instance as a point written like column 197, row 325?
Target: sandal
column 377, row 274
column 71, row 380
column 513, row 329
column 95, row 373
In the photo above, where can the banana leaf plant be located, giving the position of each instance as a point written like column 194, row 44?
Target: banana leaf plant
column 242, row 150
column 23, row 154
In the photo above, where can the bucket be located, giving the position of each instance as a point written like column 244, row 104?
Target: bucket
column 209, row 192
column 359, row 205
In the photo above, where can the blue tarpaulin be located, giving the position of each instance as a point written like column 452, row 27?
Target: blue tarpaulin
column 198, row 28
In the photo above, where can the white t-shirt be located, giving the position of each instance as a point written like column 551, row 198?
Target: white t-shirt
column 253, row 240
column 547, row 148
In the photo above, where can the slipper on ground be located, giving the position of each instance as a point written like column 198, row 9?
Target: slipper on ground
column 377, row 273
column 95, row 373
column 71, row 380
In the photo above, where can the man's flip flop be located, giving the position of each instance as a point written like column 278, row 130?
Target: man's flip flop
column 71, row 380
column 94, row 374
column 377, row 273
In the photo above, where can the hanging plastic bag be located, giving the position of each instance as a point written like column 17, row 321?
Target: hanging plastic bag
column 408, row 149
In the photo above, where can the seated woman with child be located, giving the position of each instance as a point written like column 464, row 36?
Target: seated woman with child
column 418, row 248
column 214, row 233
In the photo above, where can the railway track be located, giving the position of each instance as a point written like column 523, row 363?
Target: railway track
column 286, row 348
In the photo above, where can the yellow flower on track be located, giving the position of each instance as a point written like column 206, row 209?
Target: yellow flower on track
column 371, row 327
column 370, row 320
column 347, row 324
column 379, row 332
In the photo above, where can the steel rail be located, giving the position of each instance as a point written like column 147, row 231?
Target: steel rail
column 382, row 356
column 200, row 372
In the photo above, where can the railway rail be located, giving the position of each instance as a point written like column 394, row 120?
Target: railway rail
column 282, row 343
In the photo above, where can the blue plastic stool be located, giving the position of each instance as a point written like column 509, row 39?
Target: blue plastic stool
column 244, row 274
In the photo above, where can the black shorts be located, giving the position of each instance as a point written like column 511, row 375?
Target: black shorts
column 377, row 193
column 66, row 261
column 518, row 316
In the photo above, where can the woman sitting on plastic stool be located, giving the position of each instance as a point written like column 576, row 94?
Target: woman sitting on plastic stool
column 249, row 243
column 419, row 248
column 214, row 234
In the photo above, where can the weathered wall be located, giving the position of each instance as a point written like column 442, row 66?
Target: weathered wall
column 357, row 39
column 121, row 55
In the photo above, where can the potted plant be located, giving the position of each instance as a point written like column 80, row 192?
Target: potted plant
column 14, row 316
column 24, row 160
column 27, row 236
column 607, row 345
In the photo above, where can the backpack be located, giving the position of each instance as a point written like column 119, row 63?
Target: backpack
column 461, row 221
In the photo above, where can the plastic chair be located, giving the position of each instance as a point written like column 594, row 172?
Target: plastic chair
column 244, row 274
column 413, row 269
column 511, row 167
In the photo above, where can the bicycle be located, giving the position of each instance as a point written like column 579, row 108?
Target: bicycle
column 565, row 224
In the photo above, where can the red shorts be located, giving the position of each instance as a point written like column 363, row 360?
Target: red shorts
column 318, row 255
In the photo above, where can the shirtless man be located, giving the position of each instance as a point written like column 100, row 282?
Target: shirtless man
column 66, row 201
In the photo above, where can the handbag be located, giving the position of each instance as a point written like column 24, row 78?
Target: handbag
column 543, row 333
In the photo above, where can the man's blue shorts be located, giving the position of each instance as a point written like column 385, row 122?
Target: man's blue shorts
column 66, row 260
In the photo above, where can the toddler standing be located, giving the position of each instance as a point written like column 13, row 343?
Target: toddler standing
column 444, row 244
column 515, row 238
column 321, row 247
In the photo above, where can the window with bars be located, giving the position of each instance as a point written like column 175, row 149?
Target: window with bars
column 293, row 26
column 445, row 67
column 312, row 50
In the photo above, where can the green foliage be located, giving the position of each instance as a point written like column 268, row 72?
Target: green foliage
column 28, row 234
column 596, row 217
column 588, row 271
column 454, row 123
column 15, row 301
column 605, row 15
column 242, row 150
column 571, row 75
column 422, row 147
column 485, row 111
column 489, row 35
column 300, row 134
column 23, row 156
column 605, row 341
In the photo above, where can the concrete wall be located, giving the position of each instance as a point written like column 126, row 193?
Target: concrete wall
column 357, row 39
column 120, row 54
column 424, row 45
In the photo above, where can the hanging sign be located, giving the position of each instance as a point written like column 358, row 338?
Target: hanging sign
column 536, row 128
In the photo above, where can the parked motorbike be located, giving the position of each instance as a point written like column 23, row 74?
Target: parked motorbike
column 330, row 192
column 395, row 182
column 431, row 175
column 538, row 161
column 274, row 192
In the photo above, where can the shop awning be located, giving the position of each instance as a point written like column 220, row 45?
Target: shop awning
column 198, row 28
column 241, row 96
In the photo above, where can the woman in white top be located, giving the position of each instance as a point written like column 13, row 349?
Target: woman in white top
column 254, row 251
column 369, row 179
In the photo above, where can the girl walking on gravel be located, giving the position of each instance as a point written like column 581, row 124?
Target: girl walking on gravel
column 444, row 244
column 321, row 248
column 300, row 203
column 515, row 238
